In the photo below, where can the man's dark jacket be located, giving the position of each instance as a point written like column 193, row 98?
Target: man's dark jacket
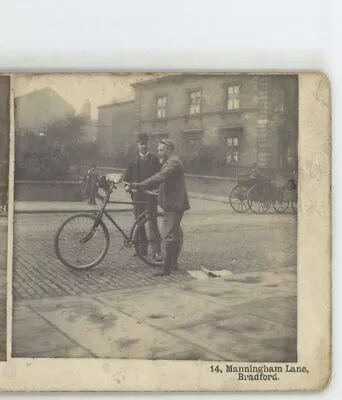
column 134, row 171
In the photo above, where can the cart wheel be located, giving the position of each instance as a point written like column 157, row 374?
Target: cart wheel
column 258, row 199
column 281, row 202
column 238, row 199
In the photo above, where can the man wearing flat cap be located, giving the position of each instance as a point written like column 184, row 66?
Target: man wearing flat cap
column 173, row 199
column 143, row 166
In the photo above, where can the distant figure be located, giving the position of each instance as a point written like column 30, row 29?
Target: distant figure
column 90, row 183
column 260, row 179
column 257, row 175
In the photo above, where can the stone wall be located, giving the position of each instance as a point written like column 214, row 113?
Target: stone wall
column 72, row 190
column 48, row 191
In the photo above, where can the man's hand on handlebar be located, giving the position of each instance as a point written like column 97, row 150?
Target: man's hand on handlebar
column 132, row 186
column 136, row 185
column 128, row 187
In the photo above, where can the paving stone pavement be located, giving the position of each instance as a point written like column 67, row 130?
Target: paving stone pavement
column 220, row 319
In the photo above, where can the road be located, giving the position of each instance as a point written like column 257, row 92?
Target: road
column 215, row 238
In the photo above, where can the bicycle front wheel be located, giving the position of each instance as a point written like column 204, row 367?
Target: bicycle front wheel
column 82, row 241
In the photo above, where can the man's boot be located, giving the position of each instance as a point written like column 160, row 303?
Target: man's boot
column 169, row 259
column 177, row 249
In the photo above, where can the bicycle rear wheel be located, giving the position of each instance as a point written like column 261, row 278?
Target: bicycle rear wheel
column 82, row 241
column 148, row 240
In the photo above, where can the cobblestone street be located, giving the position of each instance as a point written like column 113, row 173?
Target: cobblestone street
column 215, row 238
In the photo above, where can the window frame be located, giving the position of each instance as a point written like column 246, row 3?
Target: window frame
column 262, row 158
column 157, row 108
column 192, row 135
column 232, row 148
column 227, row 96
column 199, row 104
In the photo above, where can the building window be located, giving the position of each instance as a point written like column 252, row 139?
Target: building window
column 278, row 99
column 161, row 105
column 195, row 102
column 233, row 152
column 233, row 97
column 192, row 143
column 155, row 138
column 262, row 158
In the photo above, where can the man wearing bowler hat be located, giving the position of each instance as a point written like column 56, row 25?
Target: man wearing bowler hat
column 143, row 166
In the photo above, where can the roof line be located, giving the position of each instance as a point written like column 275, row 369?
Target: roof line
column 158, row 79
column 116, row 103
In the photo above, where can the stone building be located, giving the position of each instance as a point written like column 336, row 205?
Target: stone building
column 40, row 107
column 116, row 122
column 237, row 119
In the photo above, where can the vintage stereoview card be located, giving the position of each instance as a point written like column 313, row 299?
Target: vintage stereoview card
column 171, row 232
column 5, row 96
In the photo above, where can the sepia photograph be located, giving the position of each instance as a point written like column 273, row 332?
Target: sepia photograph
column 155, row 217
column 5, row 87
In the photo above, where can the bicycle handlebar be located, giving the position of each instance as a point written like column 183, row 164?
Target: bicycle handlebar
column 146, row 191
column 112, row 185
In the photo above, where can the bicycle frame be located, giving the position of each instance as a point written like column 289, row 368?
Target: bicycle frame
column 102, row 211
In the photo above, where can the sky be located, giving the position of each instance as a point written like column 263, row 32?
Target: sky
column 77, row 88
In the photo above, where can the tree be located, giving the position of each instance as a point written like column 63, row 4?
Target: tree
column 69, row 130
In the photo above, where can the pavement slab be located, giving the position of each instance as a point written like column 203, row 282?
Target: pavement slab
column 244, row 338
column 108, row 333
column 279, row 309
column 168, row 322
column 69, row 352
column 236, row 289
column 166, row 308
column 34, row 335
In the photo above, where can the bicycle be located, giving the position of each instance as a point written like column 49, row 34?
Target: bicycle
column 82, row 241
